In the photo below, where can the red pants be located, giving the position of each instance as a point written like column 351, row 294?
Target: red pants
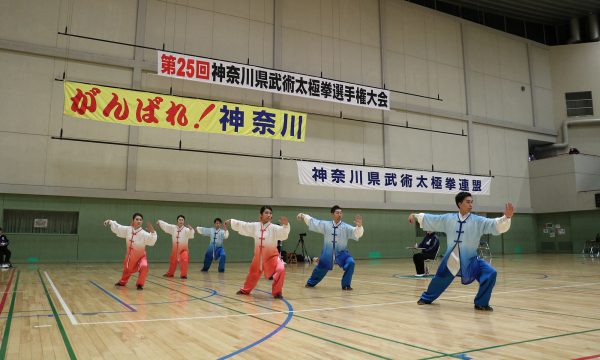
column 132, row 265
column 183, row 258
column 272, row 266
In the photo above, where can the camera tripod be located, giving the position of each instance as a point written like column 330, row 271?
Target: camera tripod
column 302, row 248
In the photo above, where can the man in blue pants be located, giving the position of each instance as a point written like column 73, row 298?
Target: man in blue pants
column 215, row 249
column 335, row 247
column 463, row 230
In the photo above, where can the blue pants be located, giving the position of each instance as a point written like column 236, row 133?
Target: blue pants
column 442, row 279
column 208, row 258
column 344, row 260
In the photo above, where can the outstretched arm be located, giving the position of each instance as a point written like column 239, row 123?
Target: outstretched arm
column 115, row 227
column 358, row 230
column 503, row 223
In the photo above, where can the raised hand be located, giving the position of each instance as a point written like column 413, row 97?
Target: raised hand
column 107, row 222
column 149, row 227
column 227, row 222
column 224, row 226
column 190, row 227
column 283, row 220
column 411, row 218
column 300, row 217
column 509, row 210
column 358, row 220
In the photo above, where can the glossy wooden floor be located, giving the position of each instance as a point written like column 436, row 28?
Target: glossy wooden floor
column 545, row 307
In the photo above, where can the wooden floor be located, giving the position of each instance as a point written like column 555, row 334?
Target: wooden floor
column 543, row 309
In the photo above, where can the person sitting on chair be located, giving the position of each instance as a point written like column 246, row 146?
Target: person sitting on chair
column 4, row 252
column 429, row 246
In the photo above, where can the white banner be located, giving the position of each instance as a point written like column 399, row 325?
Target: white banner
column 270, row 80
column 372, row 178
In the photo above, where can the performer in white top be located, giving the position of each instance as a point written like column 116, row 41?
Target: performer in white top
column 136, row 241
column 464, row 231
column 266, row 257
column 179, row 252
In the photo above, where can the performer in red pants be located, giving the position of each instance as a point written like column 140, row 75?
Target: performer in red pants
column 136, row 241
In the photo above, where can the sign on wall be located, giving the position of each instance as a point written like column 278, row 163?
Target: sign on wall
column 372, row 178
column 128, row 107
column 270, row 80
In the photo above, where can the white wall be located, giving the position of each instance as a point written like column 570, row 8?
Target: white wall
column 575, row 68
column 478, row 72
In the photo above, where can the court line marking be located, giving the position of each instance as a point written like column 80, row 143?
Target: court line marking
column 61, row 300
column 9, row 320
column 114, row 297
column 515, row 343
column 264, row 338
column 63, row 333
column 322, row 309
column 6, row 292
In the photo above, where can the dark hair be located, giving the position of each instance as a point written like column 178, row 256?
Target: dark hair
column 265, row 207
column 461, row 196
column 1, row 229
column 334, row 208
column 180, row 216
column 137, row 214
column 217, row 219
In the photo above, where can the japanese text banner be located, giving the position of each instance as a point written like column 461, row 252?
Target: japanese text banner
column 270, row 80
column 138, row 108
column 371, row 178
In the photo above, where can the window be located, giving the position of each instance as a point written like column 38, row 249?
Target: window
column 579, row 103
column 40, row 221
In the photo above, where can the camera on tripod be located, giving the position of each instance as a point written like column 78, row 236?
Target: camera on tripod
column 303, row 254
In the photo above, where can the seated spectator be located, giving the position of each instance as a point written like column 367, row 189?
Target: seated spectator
column 429, row 247
column 4, row 252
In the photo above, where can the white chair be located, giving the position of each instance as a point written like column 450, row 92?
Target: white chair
column 483, row 250
column 432, row 261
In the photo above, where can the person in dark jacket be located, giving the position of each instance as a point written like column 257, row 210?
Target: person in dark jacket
column 4, row 252
column 429, row 247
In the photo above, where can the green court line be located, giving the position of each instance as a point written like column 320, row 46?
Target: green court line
column 9, row 319
column 532, row 310
column 270, row 322
column 515, row 343
column 58, row 322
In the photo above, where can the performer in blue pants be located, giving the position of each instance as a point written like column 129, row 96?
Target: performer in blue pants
column 463, row 230
column 215, row 250
column 335, row 247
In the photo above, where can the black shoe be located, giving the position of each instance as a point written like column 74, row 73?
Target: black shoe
column 271, row 278
column 204, row 270
column 348, row 288
column 484, row 308
column 221, row 271
column 140, row 287
column 309, row 286
column 119, row 284
column 278, row 296
column 423, row 302
column 184, row 277
column 240, row 292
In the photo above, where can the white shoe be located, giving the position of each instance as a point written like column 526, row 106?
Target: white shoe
column 420, row 275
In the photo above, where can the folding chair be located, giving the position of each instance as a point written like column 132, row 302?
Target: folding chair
column 483, row 250
column 432, row 261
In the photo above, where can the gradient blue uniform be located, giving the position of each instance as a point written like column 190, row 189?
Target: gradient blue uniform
column 465, row 235
column 335, row 250
column 215, row 248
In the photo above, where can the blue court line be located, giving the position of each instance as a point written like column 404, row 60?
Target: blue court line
column 212, row 293
column 279, row 328
column 114, row 297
